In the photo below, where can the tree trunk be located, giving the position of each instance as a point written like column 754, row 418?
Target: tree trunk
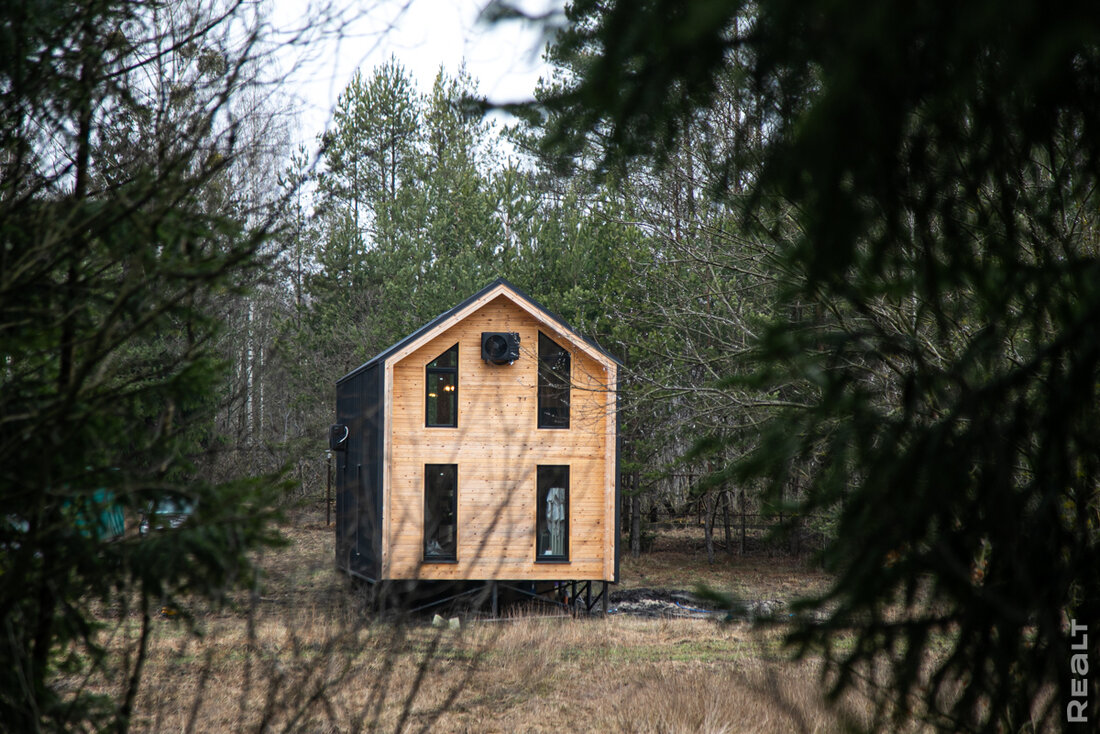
column 742, row 522
column 710, row 507
column 726, row 522
column 248, row 379
column 635, row 525
column 260, row 383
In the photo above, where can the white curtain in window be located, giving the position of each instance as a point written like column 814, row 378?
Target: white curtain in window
column 555, row 519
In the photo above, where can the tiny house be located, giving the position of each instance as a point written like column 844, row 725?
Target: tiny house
column 481, row 447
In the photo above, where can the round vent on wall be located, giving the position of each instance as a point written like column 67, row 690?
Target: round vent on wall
column 499, row 347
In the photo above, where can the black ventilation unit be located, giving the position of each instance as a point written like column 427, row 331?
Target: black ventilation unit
column 500, row 347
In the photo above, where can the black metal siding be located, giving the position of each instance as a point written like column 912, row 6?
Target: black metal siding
column 359, row 406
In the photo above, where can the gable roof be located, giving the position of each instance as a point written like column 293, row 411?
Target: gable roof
column 514, row 294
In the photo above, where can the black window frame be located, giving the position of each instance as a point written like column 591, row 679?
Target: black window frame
column 443, row 556
column 429, row 373
column 547, row 387
column 546, row 477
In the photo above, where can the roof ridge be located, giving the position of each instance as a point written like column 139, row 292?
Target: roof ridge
column 500, row 281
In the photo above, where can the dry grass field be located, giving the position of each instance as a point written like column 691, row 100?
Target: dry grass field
column 300, row 655
column 678, row 560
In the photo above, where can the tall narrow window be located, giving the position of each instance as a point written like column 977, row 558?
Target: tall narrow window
column 553, row 386
column 440, row 512
column 552, row 525
column 442, row 389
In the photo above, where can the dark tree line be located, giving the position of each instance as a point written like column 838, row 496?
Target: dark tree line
column 846, row 252
column 924, row 176
column 133, row 221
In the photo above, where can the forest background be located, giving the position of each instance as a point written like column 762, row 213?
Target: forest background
column 417, row 201
column 847, row 255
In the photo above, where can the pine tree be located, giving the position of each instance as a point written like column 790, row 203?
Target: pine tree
column 116, row 228
column 939, row 162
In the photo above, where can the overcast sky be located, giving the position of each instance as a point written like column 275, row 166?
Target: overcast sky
column 422, row 35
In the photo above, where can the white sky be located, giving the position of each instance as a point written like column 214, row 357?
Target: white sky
column 422, row 34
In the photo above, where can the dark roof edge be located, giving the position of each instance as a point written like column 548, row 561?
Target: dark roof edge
column 385, row 353
column 558, row 319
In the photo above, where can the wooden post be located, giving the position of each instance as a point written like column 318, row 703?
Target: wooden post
column 494, row 604
column 328, row 490
column 606, row 598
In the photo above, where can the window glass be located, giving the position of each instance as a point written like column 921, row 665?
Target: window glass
column 440, row 511
column 441, row 387
column 447, row 360
column 553, row 384
column 552, row 526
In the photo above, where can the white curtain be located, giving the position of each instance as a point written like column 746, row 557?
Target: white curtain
column 555, row 520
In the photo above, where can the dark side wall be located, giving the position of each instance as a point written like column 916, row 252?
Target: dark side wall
column 359, row 406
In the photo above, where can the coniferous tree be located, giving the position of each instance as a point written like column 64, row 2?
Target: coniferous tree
column 116, row 228
column 939, row 162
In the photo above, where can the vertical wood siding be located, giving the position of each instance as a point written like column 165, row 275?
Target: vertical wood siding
column 497, row 447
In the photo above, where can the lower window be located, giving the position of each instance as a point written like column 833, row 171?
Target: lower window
column 552, row 526
column 440, row 512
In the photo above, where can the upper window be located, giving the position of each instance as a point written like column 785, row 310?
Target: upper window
column 440, row 512
column 554, row 377
column 442, row 389
column 552, row 526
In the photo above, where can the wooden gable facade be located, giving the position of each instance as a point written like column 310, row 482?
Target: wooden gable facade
column 453, row 467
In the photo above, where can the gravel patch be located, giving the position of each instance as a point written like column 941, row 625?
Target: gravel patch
column 684, row 604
